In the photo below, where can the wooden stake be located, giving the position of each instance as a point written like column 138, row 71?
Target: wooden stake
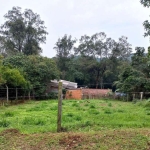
column 59, row 107
column 141, row 93
column 7, row 93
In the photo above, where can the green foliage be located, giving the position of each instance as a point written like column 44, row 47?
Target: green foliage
column 135, row 77
column 64, row 47
column 147, row 104
column 2, row 80
column 146, row 24
column 37, row 70
column 13, row 77
column 22, row 32
column 52, row 95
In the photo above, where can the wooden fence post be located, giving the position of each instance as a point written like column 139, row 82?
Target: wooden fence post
column 7, row 93
column 59, row 107
column 141, row 97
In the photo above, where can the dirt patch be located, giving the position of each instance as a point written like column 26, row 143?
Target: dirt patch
column 71, row 141
column 10, row 131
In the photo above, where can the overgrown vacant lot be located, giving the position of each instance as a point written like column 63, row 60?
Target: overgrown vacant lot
column 87, row 124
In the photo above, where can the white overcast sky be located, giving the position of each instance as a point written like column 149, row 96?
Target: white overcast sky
column 79, row 17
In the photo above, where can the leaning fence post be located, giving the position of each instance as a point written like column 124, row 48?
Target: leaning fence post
column 59, row 107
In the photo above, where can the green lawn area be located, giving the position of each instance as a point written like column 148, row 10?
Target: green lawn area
column 77, row 116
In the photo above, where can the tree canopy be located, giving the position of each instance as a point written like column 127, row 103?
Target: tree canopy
column 23, row 32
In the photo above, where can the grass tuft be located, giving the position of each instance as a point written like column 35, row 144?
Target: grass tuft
column 8, row 114
column 4, row 123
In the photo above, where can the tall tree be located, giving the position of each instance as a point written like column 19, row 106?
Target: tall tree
column 23, row 32
column 138, row 58
column 64, row 49
column 104, row 52
column 121, row 49
column 92, row 46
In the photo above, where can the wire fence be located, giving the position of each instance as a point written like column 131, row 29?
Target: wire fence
column 131, row 96
column 19, row 94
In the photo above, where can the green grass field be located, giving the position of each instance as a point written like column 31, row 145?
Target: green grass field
column 87, row 124
column 82, row 116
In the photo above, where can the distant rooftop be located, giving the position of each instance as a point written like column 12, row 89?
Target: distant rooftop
column 66, row 84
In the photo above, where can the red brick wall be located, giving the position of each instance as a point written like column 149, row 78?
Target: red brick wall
column 74, row 94
column 79, row 94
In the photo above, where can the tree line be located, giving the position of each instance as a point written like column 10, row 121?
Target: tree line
column 94, row 61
